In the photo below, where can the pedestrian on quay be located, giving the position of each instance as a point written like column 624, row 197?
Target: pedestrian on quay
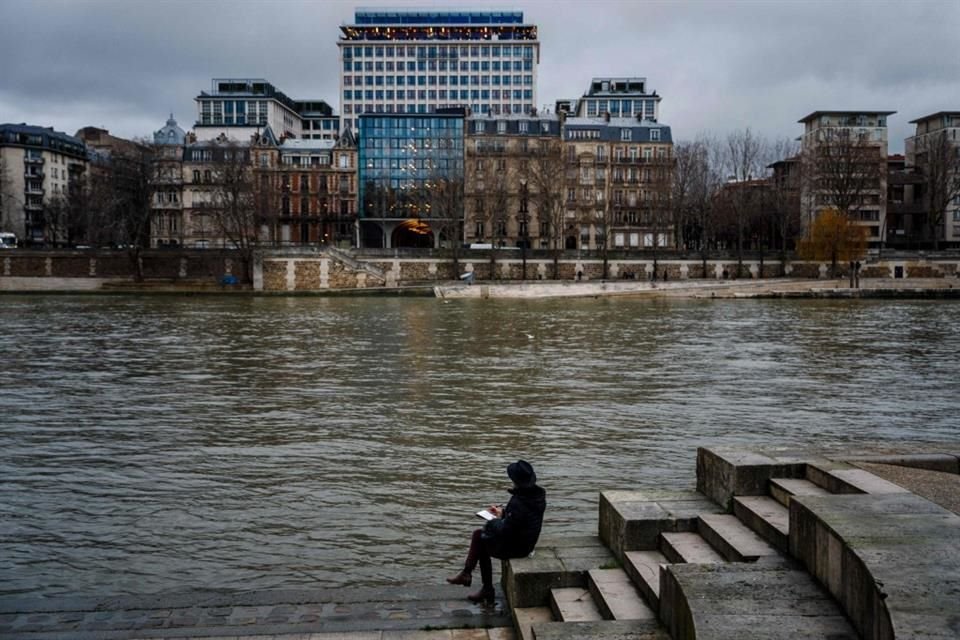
column 513, row 533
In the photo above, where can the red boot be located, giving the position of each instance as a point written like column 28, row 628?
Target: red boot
column 463, row 578
column 486, row 595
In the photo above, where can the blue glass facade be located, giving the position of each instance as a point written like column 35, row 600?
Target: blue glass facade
column 400, row 156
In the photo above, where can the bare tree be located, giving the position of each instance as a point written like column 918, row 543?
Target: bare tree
column 497, row 198
column 844, row 170
column 938, row 159
column 783, row 196
column 695, row 182
column 8, row 198
column 234, row 203
column 547, row 188
column 745, row 153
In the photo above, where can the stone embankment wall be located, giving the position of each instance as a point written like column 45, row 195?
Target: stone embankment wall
column 319, row 272
column 286, row 271
column 25, row 270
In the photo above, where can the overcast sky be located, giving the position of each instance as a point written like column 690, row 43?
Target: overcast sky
column 719, row 66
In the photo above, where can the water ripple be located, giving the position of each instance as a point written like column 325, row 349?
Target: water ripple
column 156, row 445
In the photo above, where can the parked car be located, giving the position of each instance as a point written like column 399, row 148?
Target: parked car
column 8, row 240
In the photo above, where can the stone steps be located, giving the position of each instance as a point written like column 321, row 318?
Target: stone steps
column 601, row 630
column 524, row 618
column 559, row 563
column 765, row 516
column 732, row 539
column 573, row 604
column 890, row 559
column 644, row 568
column 782, row 489
column 617, row 597
column 688, row 548
column 845, row 478
column 761, row 601
column 634, row 520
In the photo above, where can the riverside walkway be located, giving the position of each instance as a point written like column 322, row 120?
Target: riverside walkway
column 776, row 544
column 765, row 288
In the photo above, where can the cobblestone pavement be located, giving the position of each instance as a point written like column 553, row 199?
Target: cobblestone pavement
column 381, row 613
column 935, row 486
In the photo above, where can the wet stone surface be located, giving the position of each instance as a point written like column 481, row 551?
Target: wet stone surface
column 276, row 613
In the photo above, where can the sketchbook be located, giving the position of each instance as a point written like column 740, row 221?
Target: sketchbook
column 486, row 514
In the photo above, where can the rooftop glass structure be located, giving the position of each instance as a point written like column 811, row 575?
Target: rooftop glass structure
column 438, row 25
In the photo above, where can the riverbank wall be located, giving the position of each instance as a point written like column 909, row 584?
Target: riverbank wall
column 285, row 271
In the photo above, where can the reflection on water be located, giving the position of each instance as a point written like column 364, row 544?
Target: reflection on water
column 162, row 444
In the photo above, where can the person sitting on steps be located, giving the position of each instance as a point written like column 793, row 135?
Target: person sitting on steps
column 512, row 534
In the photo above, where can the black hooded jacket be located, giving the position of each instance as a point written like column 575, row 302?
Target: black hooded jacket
column 515, row 534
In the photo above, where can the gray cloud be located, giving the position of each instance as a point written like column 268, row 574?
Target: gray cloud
column 718, row 65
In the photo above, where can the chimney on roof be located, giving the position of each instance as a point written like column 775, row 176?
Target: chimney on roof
column 606, row 116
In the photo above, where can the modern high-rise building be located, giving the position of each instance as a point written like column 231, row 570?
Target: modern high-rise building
column 421, row 61
column 236, row 107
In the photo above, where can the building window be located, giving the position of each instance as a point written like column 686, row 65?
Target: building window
column 626, row 135
column 654, row 134
column 501, row 126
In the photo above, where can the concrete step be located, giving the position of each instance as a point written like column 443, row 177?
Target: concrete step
column 773, row 600
column 732, row 539
column 573, row 604
column 839, row 477
column 767, row 517
column 688, row 547
column 782, row 489
column 616, row 596
column 890, row 559
column 633, row 520
column 557, row 563
column 525, row 617
column 643, row 568
column 602, row 630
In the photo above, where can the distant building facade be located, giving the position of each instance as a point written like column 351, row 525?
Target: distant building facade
column 617, row 183
column 931, row 130
column 404, row 162
column 845, row 166
column 167, row 222
column 618, row 97
column 238, row 107
column 316, row 185
column 421, row 61
column 40, row 170
column 499, row 178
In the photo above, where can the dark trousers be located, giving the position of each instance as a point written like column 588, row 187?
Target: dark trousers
column 479, row 553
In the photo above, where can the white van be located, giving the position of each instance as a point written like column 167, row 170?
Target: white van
column 8, row 240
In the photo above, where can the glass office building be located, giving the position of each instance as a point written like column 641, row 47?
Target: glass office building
column 405, row 162
column 422, row 61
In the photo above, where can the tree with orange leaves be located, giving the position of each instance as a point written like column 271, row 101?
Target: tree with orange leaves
column 835, row 237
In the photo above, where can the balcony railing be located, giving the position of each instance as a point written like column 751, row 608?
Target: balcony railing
column 33, row 160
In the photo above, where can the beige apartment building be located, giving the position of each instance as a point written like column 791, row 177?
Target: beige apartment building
column 503, row 157
column 844, row 157
column 617, row 183
column 40, row 169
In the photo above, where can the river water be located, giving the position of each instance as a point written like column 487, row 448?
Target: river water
column 161, row 444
